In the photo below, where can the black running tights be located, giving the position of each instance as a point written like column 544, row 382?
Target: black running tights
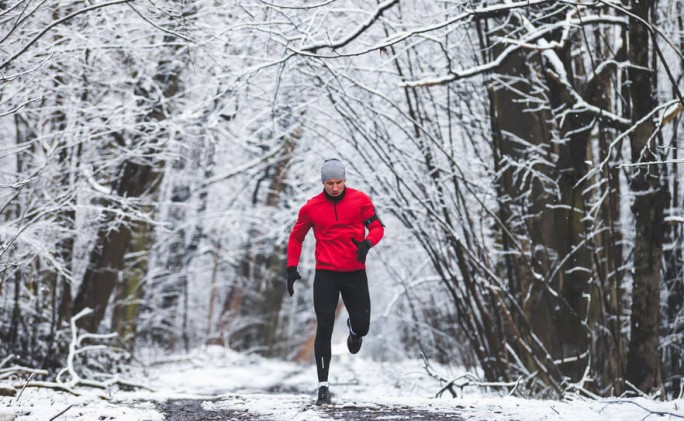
column 328, row 285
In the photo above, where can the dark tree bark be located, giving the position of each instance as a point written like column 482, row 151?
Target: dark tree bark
column 650, row 199
column 673, row 258
column 106, row 261
column 135, row 178
column 609, row 341
column 545, row 218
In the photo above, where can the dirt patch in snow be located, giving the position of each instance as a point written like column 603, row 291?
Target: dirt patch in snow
column 186, row 410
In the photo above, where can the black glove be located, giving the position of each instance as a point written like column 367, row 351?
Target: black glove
column 292, row 276
column 363, row 247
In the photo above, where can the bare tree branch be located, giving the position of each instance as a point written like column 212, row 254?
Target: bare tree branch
column 56, row 23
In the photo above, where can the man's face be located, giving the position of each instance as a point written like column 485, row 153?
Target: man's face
column 334, row 186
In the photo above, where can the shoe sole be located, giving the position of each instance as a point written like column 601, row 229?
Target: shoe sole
column 351, row 351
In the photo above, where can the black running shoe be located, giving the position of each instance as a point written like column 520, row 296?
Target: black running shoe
column 323, row 396
column 353, row 340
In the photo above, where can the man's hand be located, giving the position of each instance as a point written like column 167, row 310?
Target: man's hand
column 363, row 247
column 292, row 276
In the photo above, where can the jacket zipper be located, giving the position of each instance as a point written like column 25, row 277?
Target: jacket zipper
column 335, row 207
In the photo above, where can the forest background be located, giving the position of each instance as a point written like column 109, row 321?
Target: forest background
column 523, row 155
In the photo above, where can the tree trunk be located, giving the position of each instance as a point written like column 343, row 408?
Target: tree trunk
column 129, row 290
column 650, row 198
column 136, row 178
column 104, row 270
column 673, row 355
column 609, row 341
column 546, row 228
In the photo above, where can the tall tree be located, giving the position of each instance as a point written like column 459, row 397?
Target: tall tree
column 137, row 177
column 650, row 199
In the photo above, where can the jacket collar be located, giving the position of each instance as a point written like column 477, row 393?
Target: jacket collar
column 335, row 198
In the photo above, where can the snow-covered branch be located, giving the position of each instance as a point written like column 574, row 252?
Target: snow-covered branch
column 463, row 381
column 382, row 7
column 58, row 22
column 75, row 380
column 480, row 13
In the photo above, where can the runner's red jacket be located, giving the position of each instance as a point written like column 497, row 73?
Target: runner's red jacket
column 335, row 221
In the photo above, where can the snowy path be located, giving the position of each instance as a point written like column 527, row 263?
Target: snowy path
column 218, row 384
column 252, row 388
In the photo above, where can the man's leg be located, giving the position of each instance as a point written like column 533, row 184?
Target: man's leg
column 354, row 289
column 326, row 296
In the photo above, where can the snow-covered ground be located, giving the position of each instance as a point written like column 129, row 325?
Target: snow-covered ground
column 223, row 380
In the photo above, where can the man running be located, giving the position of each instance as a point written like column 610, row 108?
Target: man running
column 339, row 217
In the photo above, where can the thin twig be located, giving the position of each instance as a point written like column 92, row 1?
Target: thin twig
column 6, row 360
column 23, row 388
column 168, row 31
column 61, row 413
column 661, row 413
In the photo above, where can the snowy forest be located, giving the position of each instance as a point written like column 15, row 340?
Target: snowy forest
column 523, row 155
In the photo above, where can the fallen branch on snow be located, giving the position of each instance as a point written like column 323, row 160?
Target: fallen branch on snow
column 75, row 380
column 461, row 382
column 650, row 412
column 17, row 369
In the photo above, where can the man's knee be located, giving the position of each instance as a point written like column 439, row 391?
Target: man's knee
column 324, row 328
column 360, row 324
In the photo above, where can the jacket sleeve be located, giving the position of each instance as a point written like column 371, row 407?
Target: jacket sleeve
column 376, row 229
column 297, row 235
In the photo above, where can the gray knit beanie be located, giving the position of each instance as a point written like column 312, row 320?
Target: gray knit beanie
column 332, row 169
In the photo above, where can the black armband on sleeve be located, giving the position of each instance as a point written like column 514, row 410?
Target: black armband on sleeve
column 375, row 217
